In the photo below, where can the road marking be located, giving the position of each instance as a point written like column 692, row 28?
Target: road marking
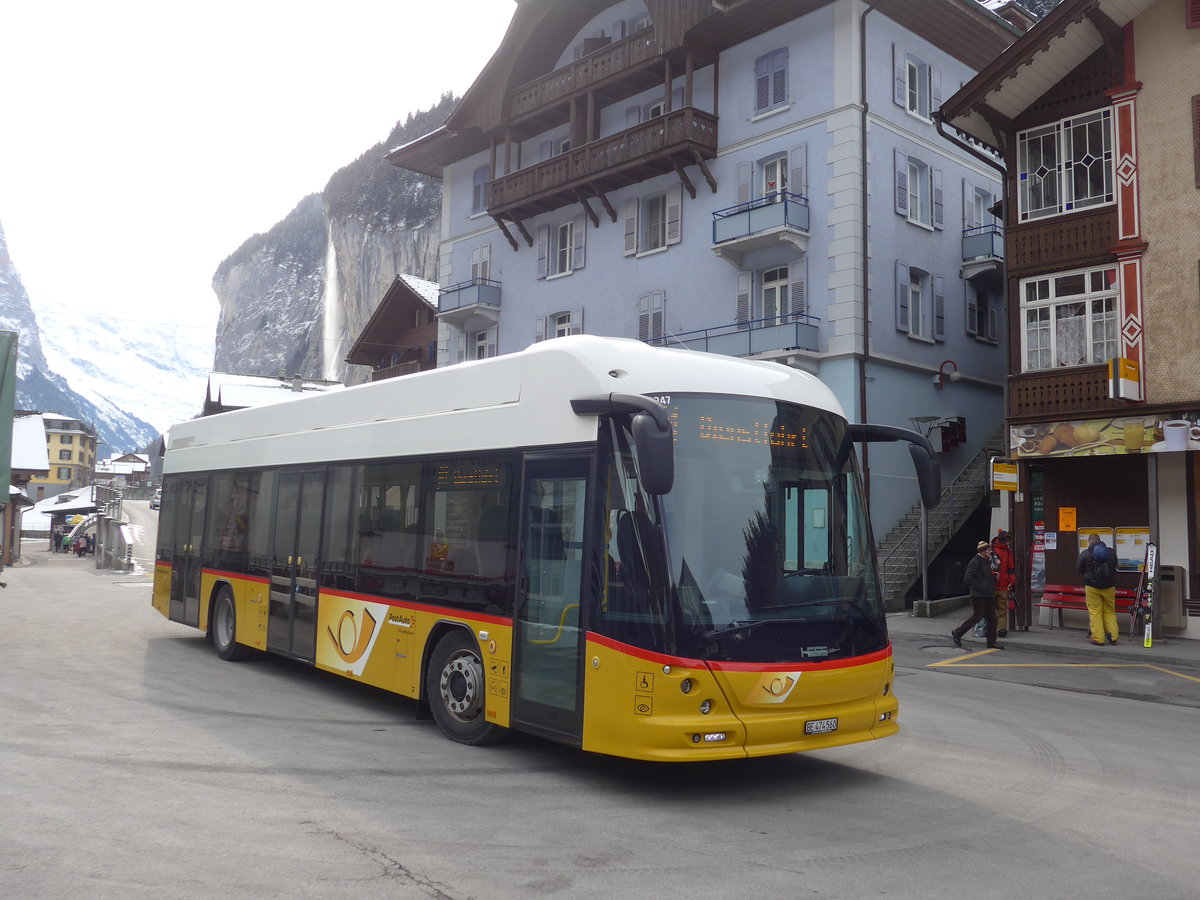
column 959, row 662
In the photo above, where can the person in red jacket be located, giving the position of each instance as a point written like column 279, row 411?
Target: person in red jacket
column 1006, row 576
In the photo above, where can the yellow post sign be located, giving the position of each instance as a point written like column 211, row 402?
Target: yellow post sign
column 1067, row 518
column 1004, row 474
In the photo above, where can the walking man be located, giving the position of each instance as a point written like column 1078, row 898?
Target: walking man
column 980, row 582
column 1005, row 569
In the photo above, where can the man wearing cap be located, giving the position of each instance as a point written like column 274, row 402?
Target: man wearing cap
column 980, row 582
column 1098, row 567
column 1005, row 569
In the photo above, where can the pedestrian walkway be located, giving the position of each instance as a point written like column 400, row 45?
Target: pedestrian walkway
column 1168, row 650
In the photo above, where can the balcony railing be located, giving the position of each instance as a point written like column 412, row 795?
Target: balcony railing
column 476, row 292
column 597, row 67
column 648, row 149
column 796, row 331
column 405, row 368
column 983, row 242
column 761, row 223
column 1065, row 393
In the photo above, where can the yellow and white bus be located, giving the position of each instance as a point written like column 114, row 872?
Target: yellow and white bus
column 650, row 553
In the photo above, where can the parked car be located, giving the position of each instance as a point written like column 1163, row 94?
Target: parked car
column 156, row 500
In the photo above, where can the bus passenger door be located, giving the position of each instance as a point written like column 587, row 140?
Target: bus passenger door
column 292, row 618
column 548, row 633
column 190, row 497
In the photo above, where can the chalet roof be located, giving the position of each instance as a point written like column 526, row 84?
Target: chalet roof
column 986, row 105
column 228, row 391
column 380, row 330
column 29, row 453
column 540, row 30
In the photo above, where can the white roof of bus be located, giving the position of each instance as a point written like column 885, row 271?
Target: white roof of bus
column 521, row 399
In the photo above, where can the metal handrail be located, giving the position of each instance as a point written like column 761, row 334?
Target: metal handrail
column 719, row 330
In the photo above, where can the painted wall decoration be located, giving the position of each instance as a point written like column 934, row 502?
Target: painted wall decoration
column 1106, row 437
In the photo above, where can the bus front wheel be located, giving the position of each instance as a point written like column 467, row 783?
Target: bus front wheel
column 456, row 689
column 224, row 627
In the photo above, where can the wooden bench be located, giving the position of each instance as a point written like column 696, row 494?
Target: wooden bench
column 1072, row 596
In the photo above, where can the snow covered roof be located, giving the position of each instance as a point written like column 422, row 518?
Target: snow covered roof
column 29, row 452
column 426, row 290
column 80, row 500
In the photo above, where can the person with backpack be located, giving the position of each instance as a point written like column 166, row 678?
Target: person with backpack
column 980, row 582
column 1098, row 566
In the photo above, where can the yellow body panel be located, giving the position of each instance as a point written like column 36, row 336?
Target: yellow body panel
column 160, row 599
column 638, row 707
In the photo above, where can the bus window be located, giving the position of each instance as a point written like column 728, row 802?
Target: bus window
column 229, row 526
column 388, row 539
column 339, row 544
column 258, row 543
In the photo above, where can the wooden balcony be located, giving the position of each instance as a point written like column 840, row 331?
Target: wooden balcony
column 1062, row 242
column 405, row 368
column 1072, row 393
column 621, row 66
column 655, row 147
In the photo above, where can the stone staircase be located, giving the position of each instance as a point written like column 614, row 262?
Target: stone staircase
column 898, row 553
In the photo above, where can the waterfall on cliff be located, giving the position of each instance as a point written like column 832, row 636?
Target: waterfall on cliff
column 332, row 351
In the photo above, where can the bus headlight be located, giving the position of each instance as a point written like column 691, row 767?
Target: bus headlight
column 686, row 685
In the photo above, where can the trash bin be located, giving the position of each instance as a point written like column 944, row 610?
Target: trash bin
column 1171, row 581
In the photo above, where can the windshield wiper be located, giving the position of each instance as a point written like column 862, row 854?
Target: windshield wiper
column 741, row 627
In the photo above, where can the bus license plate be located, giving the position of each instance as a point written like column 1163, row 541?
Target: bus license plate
column 820, row 726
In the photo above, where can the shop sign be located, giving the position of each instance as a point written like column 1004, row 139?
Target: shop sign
column 1117, row 436
column 1124, row 379
column 1004, row 474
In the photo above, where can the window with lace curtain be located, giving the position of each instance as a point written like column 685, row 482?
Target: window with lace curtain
column 1070, row 319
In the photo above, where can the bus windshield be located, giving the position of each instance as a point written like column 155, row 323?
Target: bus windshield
column 767, row 535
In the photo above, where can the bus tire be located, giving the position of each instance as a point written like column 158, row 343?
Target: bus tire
column 224, row 627
column 456, row 688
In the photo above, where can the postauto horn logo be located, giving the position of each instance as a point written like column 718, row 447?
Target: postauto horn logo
column 350, row 633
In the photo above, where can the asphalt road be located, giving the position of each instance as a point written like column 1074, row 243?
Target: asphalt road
column 134, row 763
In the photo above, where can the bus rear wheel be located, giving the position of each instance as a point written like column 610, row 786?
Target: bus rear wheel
column 456, row 688
column 224, row 627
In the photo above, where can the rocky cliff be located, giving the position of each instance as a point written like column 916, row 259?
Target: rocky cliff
column 294, row 299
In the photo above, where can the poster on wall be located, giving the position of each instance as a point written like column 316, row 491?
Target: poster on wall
column 1116, row 436
column 1131, row 544
column 1037, row 578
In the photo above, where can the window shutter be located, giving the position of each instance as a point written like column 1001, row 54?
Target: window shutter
column 485, row 261
column 674, row 214
column 539, row 329
column 899, row 77
column 577, row 321
column 631, row 226
column 745, row 172
column 658, row 313
column 479, row 182
column 546, row 150
column 798, row 163
column 1193, row 13
column 762, row 84
column 798, row 287
column 939, row 308
column 935, row 89
column 1196, row 133
column 579, row 251
column 779, row 77
column 968, row 198
column 475, row 263
column 644, row 317
column 993, row 317
column 462, row 347
column 543, row 249
column 939, row 199
column 902, row 297
column 491, row 341
column 972, row 309
column 633, row 116
column 901, row 183
column 745, row 284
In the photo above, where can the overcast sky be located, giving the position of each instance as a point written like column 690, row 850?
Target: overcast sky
column 142, row 141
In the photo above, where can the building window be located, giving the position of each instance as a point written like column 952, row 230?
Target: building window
column 66, row 438
column 983, row 314
column 477, row 345
column 772, row 305
column 773, row 296
column 919, row 193
column 1065, row 166
column 561, row 248
column 771, row 81
column 917, row 85
column 559, row 324
column 64, row 474
column 775, row 178
column 481, row 262
column 479, row 180
column 652, row 311
column 1070, row 319
column 653, row 222
column 64, row 455
column 920, row 303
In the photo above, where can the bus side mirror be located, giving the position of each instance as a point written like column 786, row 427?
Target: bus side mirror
column 653, row 437
column 929, row 475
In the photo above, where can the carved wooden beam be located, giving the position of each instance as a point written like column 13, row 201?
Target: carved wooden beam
column 1002, row 125
column 712, row 182
column 591, row 213
column 508, row 234
column 1113, row 34
column 603, row 198
column 687, row 182
column 525, row 234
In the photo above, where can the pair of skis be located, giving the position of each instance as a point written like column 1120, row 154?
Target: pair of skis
column 1143, row 601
